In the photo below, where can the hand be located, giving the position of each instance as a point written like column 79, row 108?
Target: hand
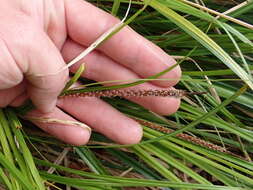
column 38, row 37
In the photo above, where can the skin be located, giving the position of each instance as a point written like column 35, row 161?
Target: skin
column 39, row 37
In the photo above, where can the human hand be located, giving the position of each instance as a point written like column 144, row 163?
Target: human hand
column 37, row 37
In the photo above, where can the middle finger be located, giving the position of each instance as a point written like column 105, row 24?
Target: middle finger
column 101, row 68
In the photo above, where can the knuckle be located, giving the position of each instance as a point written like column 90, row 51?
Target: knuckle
column 15, row 77
column 10, row 78
column 10, row 73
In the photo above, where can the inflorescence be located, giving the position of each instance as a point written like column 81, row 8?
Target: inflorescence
column 133, row 93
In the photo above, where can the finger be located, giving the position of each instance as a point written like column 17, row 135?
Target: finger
column 70, row 134
column 38, row 62
column 101, row 68
column 10, row 73
column 44, row 90
column 103, row 118
column 10, row 94
column 126, row 47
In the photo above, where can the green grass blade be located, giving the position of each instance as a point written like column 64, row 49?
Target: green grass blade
column 15, row 172
column 135, row 164
column 156, row 150
column 5, row 179
column 151, row 161
column 204, row 39
column 202, row 118
column 82, row 183
column 15, row 124
column 115, row 7
column 74, row 79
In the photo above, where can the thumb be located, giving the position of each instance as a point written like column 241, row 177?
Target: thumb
column 45, row 76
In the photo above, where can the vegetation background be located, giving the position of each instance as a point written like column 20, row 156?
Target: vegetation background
column 207, row 144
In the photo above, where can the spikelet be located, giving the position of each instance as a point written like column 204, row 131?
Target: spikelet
column 133, row 93
column 186, row 137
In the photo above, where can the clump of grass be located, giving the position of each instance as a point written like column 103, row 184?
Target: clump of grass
column 207, row 144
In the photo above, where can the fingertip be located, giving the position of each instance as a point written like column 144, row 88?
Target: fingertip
column 160, row 105
column 44, row 106
column 78, row 137
column 131, row 134
column 61, row 125
column 172, row 77
column 175, row 75
column 44, row 91
column 166, row 106
column 70, row 134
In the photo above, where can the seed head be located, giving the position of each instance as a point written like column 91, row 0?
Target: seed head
column 133, row 93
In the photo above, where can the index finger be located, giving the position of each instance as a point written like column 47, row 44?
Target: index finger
column 85, row 23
